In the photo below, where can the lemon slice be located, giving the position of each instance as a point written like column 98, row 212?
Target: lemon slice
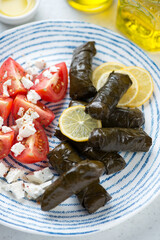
column 76, row 124
column 145, row 83
column 103, row 68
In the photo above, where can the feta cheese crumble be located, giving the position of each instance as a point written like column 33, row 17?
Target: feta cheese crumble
column 34, row 191
column 47, row 74
column 32, row 70
column 33, row 114
column 27, row 83
column 36, row 81
column 14, row 174
column 54, row 69
column 20, row 111
column 16, row 188
column 41, row 64
column 26, row 130
column 5, row 88
column 40, row 176
column 5, row 74
column 33, row 97
column 6, row 129
column 26, row 125
column 17, row 149
column 3, row 169
column 1, row 122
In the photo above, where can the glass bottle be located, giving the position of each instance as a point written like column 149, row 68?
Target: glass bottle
column 140, row 21
column 90, row 5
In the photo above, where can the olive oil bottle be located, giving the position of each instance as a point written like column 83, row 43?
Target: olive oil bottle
column 90, row 5
column 140, row 21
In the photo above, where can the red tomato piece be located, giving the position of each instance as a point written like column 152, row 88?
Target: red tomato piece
column 53, row 89
column 5, row 107
column 6, row 142
column 37, row 146
column 46, row 115
column 10, row 69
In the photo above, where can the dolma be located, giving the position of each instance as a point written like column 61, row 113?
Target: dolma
column 112, row 161
column 81, row 72
column 119, row 117
column 124, row 118
column 120, row 139
column 94, row 196
column 71, row 182
column 108, row 96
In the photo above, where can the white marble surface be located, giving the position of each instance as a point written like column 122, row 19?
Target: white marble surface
column 144, row 225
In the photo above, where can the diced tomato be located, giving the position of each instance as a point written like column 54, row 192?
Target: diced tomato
column 6, row 142
column 5, row 107
column 46, row 115
column 10, row 69
column 53, row 89
column 37, row 146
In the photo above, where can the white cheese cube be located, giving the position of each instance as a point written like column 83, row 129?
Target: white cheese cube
column 36, row 81
column 33, row 114
column 26, row 130
column 26, row 82
column 34, row 191
column 6, row 129
column 14, row 174
column 5, row 74
column 30, row 77
column 17, row 149
column 5, row 87
column 32, row 70
column 40, row 176
column 1, row 122
column 54, row 69
column 16, row 188
column 33, row 97
column 41, row 64
column 3, row 169
column 20, row 111
column 47, row 74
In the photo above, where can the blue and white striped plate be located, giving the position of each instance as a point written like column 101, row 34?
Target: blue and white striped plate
column 131, row 189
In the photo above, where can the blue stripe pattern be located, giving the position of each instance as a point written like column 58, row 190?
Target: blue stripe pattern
column 134, row 187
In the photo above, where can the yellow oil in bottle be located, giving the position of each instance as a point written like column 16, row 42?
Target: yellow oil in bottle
column 13, row 8
column 90, row 5
column 140, row 21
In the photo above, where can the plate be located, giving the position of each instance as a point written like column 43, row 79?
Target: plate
column 131, row 189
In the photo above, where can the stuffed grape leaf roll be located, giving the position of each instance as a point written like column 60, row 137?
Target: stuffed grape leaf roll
column 124, row 118
column 120, row 139
column 108, row 96
column 81, row 72
column 119, row 117
column 62, row 158
column 112, row 161
column 71, row 182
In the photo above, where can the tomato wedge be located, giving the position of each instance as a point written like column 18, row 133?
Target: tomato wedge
column 6, row 142
column 52, row 89
column 46, row 115
column 37, row 146
column 5, row 107
column 11, row 70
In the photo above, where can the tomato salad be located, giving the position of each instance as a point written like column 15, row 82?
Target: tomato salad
column 20, row 95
